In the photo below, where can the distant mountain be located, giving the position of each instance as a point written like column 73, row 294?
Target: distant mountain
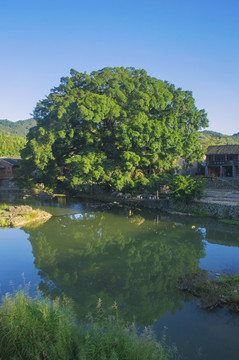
column 208, row 138
column 18, row 128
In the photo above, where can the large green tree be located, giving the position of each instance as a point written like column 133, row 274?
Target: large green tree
column 115, row 126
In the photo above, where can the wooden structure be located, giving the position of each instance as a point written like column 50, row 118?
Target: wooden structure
column 222, row 161
column 8, row 168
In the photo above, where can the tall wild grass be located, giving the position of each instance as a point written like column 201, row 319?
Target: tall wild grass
column 35, row 329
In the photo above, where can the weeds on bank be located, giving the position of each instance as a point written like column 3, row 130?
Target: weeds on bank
column 229, row 221
column 32, row 215
column 34, row 329
column 2, row 207
column 220, row 292
column 3, row 221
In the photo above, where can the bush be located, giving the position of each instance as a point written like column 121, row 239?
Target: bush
column 185, row 189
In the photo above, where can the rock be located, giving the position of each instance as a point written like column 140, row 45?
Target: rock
column 16, row 216
column 223, row 301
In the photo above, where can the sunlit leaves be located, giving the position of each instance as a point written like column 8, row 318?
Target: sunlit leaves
column 110, row 126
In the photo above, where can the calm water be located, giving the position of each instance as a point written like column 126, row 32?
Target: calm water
column 135, row 258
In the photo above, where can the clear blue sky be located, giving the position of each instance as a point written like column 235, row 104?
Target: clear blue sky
column 191, row 43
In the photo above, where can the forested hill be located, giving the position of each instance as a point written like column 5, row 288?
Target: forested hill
column 11, row 145
column 18, row 128
column 208, row 138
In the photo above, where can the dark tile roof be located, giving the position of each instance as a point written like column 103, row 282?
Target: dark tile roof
column 223, row 149
column 13, row 162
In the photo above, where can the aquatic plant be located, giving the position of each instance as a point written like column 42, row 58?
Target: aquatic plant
column 222, row 291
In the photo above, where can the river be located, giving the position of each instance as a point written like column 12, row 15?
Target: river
column 133, row 257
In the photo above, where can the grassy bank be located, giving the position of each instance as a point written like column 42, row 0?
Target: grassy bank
column 229, row 221
column 223, row 291
column 15, row 216
column 33, row 329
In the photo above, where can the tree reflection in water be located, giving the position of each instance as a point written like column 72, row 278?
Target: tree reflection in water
column 115, row 256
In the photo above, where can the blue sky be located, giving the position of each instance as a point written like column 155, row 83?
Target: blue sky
column 192, row 44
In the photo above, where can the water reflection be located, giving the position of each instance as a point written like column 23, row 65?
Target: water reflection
column 118, row 256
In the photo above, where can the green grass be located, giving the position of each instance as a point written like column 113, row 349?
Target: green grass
column 2, row 207
column 229, row 221
column 198, row 212
column 34, row 214
column 34, row 329
column 3, row 221
column 230, row 279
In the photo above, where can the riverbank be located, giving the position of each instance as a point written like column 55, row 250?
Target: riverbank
column 207, row 206
column 221, row 291
column 16, row 216
column 218, row 204
column 37, row 329
column 215, row 203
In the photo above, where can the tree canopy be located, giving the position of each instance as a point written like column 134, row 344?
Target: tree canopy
column 115, row 126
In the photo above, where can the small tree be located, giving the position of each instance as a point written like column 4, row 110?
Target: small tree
column 185, row 189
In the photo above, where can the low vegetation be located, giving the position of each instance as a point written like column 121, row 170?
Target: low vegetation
column 14, row 216
column 222, row 291
column 229, row 221
column 11, row 145
column 37, row 329
column 185, row 189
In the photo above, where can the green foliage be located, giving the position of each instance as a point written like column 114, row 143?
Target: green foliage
column 232, row 278
column 219, row 292
column 116, row 126
column 36, row 329
column 229, row 221
column 33, row 329
column 11, row 145
column 208, row 138
column 18, row 128
column 185, row 189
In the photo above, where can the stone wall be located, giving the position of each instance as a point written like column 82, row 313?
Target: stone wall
column 219, row 210
column 143, row 200
column 215, row 209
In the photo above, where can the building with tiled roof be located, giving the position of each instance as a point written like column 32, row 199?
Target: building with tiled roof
column 222, row 161
column 8, row 168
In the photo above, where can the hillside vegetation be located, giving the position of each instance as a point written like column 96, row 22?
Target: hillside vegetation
column 208, row 138
column 18, row 128
column 11, row 145
column 13, row 136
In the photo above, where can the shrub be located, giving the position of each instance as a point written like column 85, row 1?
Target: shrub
column 185, row 189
